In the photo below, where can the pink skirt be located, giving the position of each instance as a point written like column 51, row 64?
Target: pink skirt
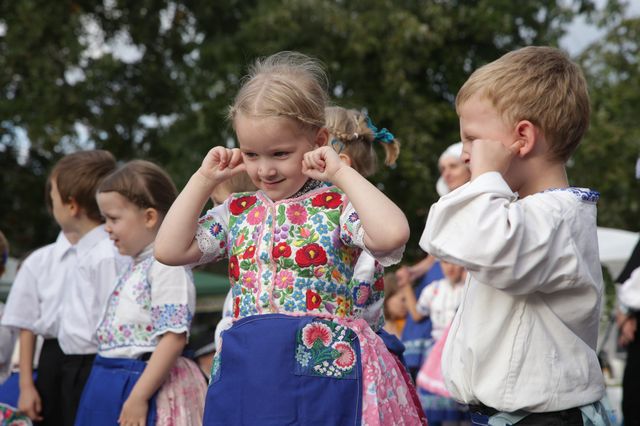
column 180, row 400
column 430, row 375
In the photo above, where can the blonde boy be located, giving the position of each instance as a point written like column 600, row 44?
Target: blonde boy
column 522, row 345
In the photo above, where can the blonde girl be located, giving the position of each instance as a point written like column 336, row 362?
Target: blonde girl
column 138, row 377
column 297, row 353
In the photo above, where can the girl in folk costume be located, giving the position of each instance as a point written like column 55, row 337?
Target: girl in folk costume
column 138, row 376
column 298, row 351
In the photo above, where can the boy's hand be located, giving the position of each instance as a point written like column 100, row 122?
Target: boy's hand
column 492, row 156
column 322, row 164
column 221, row 163
column 30, row 403
column 134, row 412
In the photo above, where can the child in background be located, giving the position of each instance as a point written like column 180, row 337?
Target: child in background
column 7, row 334
column 9, row 415
column 522, row 344
column 146, row 322
column 395, row 306
column 296, row 346
column 440, row 301
column 65, row 286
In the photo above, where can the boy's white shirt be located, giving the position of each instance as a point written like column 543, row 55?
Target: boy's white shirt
column 90, row 284
column 36, row 293
column 524, row 337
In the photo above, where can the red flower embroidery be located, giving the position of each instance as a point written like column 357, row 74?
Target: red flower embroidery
column 234, row 268
column 379, row 284
column 313, row 300
column 281, row 250
column 347, row 358
column 248, row 253
column 328, row 199
column 316, row 331
column 236, row 307
column 241, row 204
column 311, row 254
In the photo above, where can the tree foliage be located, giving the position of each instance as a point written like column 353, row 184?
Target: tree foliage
column 66, row 82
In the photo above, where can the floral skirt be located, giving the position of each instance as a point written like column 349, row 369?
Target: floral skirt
column 277, row 369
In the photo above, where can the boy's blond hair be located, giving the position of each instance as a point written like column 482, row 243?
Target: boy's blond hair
column 352, row 135
column 539, row 84
column 286, row 84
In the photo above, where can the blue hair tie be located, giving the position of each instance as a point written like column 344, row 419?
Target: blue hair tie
column 382, row 135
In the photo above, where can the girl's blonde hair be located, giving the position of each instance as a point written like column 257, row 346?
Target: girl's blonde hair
column 353, row 134
column 286, row 84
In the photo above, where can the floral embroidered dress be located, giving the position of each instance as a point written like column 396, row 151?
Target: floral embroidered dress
column 149, row 300
column 299, row 351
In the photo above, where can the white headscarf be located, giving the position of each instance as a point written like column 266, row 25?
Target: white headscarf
column 455, row 151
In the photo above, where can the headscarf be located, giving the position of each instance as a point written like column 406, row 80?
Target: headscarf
column 455, row 151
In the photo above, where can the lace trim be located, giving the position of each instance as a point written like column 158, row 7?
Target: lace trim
column 309, row 185
column 584, row 194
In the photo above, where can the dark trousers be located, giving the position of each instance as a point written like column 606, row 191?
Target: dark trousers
column 572, row 417
column 49, row 382
column 631, row 383
column 75, row 372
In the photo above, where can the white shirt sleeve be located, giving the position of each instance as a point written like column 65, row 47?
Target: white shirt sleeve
column 7, row 341
column 629, row 291
column 352, row 233
column 211, row 233
column 23, row 305
column 518, row 247
column 173, row 298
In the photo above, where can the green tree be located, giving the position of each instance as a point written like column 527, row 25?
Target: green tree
column 401, row 60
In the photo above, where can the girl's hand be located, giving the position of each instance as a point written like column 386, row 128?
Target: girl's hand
column 492, row 156
column 134, row 412
column 30, row 403
column 221, row 163
column 322, row 164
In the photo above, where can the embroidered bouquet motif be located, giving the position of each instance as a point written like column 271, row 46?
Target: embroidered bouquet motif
column 327, row 349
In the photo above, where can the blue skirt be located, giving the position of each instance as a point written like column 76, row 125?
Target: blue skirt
column 108, row 387
column 280, row 370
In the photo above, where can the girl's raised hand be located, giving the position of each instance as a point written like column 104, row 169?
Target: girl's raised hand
column 322, row 164
column 221, row 163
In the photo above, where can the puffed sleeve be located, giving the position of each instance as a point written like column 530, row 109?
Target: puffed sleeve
column 173, row 298
column 515, row 246
column 211, row 233
column 629, row 291
column 352, row 234
column 24, row 292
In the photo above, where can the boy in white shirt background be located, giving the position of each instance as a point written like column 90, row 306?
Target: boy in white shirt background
column 71, row 280
column 521, row 348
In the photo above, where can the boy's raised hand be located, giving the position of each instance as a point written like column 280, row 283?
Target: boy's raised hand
column 492, row 156
column 322, row 164
column 221, row 163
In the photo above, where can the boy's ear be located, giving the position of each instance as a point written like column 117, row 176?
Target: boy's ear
column 527, row 134
column 73, row 206
column 322, row 137
column 151, row 217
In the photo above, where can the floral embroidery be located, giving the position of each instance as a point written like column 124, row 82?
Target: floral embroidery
column 316, row 331
column 234, row 268
column 297, row 214
column 313, row 300
column 249, row 280
column 256, row 215
column 311, row 254
column 325, row 348
column 215, row 229
column 328, row 199
column 583, row 193
column 284, row 279
column 361, row 294
column 170, row 316
column 281, row 250
column 248, row 254
column 239, row 205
